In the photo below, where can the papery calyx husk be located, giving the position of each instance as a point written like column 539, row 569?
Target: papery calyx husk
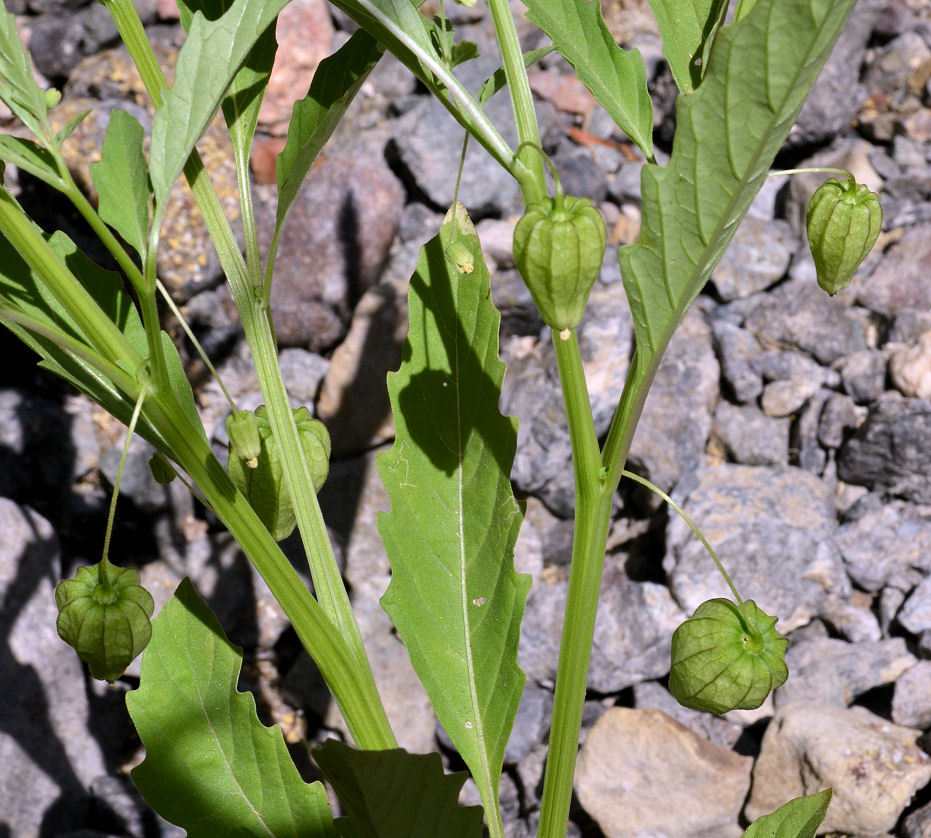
column 727, row 657
column 262, row 480
column 843, row 222
column 559, row 245
column 104, row 614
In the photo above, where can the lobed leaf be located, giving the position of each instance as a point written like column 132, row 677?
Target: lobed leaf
column 394, row 794
column 616, row 77
column 728, row 133
column 211, row 766
column 122, row 180
column 454, row 595
column 336, row 81
column 688, row 28
column 18, row 88
column 207, row 63
column 31, row 157
column 799, row 818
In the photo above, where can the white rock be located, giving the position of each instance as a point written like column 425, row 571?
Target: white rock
column 910, row 369
column 874, row 766
column 641, row 773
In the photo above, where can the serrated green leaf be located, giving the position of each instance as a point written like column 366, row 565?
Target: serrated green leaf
column 497, row 80
column 122, row 180
column 799, row 818
column 688, row 28
column 616, row 77
column 241, row 105
column 211, row 766
column 336, row 81
column 18, row 88
column 728, row 133
column 454, row 596
column 69, row 127
column 30, row 157
column 394, row 794
column 207, row 63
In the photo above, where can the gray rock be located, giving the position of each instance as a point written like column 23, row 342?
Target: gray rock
column 908, row 326
column 911, row 701
column 758, row 255
column 915, row 614
column 787, row 396
column 900, row 279
column 302, row 372
column 910, row 368
column 737, row 351
column 30, row 428
column 839, row 415
column 889, row 544
column 837, row 94
column 60, row 40
column 853, row 620
column 676, row 422
column 642, row 773
column 137, row 482
column 873, row 766
column 863, row 375
column 828, row 671
column 770, row 528
column 48, row 752
column 890, row 601
column 809, row 454
column 353, row 400
column 531, row 392
column 774, row 365
column 534, row 714
column 334, row 245
column 633, row 630
column 890, row 69
column 802, row 317
column 918, row 823
column 891, row 451
column 750, row 437
column 427, row 133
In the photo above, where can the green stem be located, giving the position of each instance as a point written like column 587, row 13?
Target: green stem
column 334, row 599
column 691, row 525
column 593, row 498
column 111, row 515
column 353, row 686
column 815, row 170
column 533, row 189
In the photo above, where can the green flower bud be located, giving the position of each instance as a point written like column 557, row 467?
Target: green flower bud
column 559, row 245
column 161, row 469
column 727, row 657
column 104, row 614
column 243, row 430
column 461, row 257
column 52, row 97
column 264, row 485
column 843, row 222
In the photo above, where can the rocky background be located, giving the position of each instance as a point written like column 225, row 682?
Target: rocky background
column 794, row 428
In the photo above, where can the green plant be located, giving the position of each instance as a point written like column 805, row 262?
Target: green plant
column 454, row 597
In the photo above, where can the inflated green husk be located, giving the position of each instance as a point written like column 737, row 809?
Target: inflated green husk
column 263, row 483
column 103, row 613
column 727, row 657
column 843, row 222
column 559, row 245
